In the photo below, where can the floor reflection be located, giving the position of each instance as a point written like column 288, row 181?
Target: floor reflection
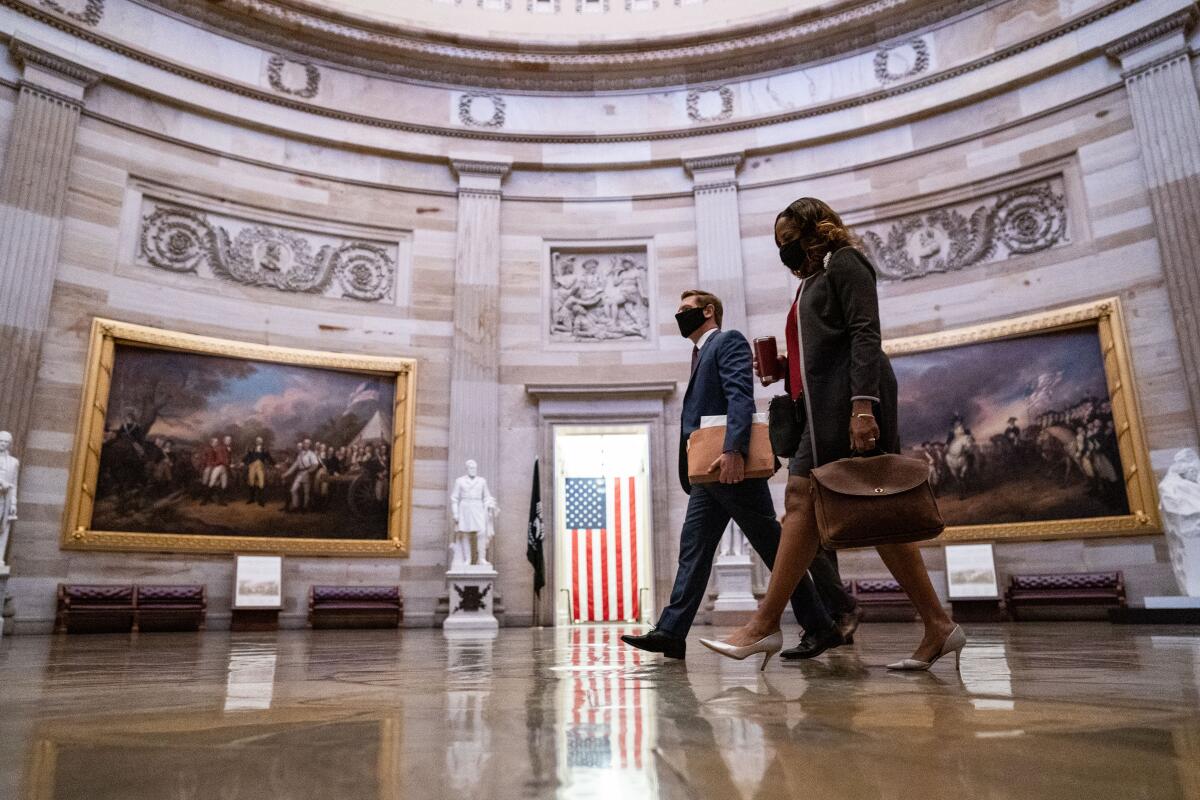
column 1039, row 711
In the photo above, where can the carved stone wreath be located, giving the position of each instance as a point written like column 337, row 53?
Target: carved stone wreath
column 182, row 240
column 312, row 77
column 1022, row 221
column 595, row 6
column 640, row 5
column 919, row 65
column 465, row 116
column 693, row 104
column 91, row 13
column 553, row 6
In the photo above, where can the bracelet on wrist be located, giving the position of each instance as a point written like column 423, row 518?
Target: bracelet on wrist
column 864, row 416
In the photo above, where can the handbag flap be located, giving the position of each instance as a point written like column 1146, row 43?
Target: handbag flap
column 875, row 476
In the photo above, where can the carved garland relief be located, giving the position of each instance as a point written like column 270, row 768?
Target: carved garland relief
column 901, row 61
column 599, row 296
column 481, row 110
column 185, row 240
column 1025, row 220
column 297, row 78
column 710, row 104
column 89, row 12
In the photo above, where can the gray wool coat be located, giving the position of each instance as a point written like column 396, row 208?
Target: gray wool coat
column 843, row 356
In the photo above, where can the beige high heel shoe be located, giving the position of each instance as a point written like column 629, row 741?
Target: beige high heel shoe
column 954, row 643
column 768, row 646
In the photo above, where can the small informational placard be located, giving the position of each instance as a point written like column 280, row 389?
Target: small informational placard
column 971, row 572
column 258, row 582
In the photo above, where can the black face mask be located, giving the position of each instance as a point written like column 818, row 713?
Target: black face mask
column 794, row 256
column 689, row 321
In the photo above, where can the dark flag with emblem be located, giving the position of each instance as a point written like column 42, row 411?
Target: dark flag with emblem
column 533, row 544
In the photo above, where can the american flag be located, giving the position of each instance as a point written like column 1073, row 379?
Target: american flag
column 609, row 727
column 604, row 559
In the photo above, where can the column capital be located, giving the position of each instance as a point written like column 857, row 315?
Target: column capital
column 480, row 175
column 710, row 172
column 48, row 69
column 1160, row 41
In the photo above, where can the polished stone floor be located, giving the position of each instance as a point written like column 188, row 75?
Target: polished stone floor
column 1042, row 710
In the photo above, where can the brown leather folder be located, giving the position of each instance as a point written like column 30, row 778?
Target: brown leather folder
column 706, row 445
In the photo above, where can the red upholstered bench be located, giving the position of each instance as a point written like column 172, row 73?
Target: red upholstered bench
column 882, row 598
column 171, row 608
column 1066, row 589
column 355, row 607
column 94, row 609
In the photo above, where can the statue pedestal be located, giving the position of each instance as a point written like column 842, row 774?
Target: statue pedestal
column 735, row 590
column 3, row 593
column 471, row 590
column 1184, row 547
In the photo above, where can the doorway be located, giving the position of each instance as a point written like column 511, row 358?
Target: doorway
column 603, row 555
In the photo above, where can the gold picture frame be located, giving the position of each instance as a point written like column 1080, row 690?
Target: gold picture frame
column 106, row 335
column 1106, row 318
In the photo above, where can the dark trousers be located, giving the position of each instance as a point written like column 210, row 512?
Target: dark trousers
column 710, row 507
column 828, row 578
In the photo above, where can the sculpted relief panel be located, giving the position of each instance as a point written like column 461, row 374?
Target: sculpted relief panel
column 179, row 239
column 599, row 295
column 1013, row 222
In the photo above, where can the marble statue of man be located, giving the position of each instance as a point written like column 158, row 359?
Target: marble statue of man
column 473, row 507
column 1179, row 502
column 9, row 467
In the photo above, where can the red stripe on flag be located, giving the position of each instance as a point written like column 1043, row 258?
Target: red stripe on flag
column 575, row 575
column 633, row 557
column 619, row 554
column 604, row 610
column 591, row 603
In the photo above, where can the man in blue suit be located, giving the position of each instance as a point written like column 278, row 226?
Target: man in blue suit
column 721, row 384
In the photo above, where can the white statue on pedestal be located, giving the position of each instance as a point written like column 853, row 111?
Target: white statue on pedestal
column 9, row 467
column 1179, row 502
column 474, row 511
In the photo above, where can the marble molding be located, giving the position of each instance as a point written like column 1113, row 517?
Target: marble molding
column 1023, row 220
column 475, row 362
column 214, row 245
column 33, row 190
column 599, row 294
column 1162, row 89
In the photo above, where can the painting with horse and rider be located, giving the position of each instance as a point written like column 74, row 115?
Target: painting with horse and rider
column 1015, row 430
column 201, row 444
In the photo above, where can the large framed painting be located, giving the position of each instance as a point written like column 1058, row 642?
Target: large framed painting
column 1030, row 426
column 189, row 443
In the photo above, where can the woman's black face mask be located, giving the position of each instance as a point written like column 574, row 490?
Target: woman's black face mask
column 794, row 256
column 689, row 321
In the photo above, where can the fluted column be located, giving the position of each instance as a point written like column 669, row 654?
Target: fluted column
column 33, row 190
column 719, row 270
column 718, row 233
column 1166, row 116
column 475, row 366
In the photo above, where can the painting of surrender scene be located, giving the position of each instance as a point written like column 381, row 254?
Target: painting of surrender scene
column 1015, row 430
column 205, row 445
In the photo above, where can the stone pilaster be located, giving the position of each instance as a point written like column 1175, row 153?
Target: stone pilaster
column 1166, row 115
column 33, row 191
column 475, row 365
column 718, row 233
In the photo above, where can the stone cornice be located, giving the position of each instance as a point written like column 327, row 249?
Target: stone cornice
column 780, row 44
column 1181, row 21
column 27, row 53
column 736, row 124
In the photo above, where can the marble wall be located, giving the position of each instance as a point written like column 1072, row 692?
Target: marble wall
column 486, row 214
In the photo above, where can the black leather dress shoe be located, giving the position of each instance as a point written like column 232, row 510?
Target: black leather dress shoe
column 656, row 641
column 812, row 646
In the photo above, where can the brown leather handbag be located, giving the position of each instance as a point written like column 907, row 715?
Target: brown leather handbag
column 885, row 499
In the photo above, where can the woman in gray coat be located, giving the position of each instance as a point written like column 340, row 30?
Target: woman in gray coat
column 837, row 370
